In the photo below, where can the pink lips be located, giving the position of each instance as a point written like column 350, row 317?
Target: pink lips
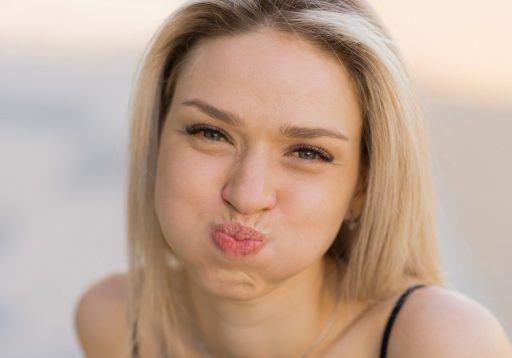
column 237, row 240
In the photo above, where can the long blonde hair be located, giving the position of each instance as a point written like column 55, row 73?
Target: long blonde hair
column 396, row 237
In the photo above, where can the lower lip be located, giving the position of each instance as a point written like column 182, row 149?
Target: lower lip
column 236, row 248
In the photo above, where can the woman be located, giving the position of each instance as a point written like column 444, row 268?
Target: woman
column 280, row 200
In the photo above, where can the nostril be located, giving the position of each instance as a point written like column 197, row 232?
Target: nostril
column 230, row 205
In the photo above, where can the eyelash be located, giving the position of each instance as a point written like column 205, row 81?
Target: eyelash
column 324, row 156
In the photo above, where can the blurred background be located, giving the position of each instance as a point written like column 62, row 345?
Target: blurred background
column 66, row 71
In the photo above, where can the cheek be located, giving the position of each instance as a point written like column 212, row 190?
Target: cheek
column 306, row 223
column 183, row 195
column 314, row 215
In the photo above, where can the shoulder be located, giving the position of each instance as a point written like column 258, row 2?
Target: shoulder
column 100, row 318
column 440, row 322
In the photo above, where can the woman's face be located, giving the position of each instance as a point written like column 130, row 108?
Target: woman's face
column 254, row 172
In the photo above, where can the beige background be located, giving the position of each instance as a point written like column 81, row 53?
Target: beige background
column 66, row 68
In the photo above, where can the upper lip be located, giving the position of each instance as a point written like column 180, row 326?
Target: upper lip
column 238, row 231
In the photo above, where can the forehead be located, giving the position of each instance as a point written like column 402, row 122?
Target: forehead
column 270, row 78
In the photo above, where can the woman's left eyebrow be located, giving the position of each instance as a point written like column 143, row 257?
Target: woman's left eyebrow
column 290, row 131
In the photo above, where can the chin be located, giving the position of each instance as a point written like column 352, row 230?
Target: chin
column 229, row 284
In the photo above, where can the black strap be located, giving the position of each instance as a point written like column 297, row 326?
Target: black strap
column 398, row 305
column 135, row 345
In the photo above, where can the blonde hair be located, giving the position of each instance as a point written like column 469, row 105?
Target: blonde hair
column 396, row 237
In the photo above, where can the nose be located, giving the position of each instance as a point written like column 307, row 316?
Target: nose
column 249, row 188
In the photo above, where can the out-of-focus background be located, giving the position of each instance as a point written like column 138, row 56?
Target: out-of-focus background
column 66, row 70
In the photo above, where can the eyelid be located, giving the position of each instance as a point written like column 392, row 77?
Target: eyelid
column 323, row 154
column 195, row 128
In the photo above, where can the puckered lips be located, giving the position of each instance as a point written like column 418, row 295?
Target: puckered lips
column 236, row 240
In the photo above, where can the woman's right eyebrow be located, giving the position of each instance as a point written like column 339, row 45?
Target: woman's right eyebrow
column 227, row 117
column 288, row 130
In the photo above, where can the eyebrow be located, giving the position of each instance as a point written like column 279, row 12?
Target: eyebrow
column 289, row 131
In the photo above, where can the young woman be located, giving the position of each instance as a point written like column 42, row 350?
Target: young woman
column 280, row 198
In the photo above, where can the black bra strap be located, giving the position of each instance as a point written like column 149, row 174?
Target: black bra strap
column 398, row 305
column 135, row 345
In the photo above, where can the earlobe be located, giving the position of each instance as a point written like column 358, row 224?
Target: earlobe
column 358, row 200
column 355, row 210
column 356, row 207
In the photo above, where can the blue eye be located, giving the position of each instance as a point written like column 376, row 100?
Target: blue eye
column 211, row 131
column 216, row 135
column 316, row 152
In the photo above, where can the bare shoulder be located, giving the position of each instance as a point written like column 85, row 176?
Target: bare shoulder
column 440, row 322
column 100, row 317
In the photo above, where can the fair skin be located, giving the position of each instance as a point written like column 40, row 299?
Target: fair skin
column 274, row 303
column 435, row 322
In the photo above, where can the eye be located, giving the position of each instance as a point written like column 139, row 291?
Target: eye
column 216, row 134
column 210, row 133
column 312, row 153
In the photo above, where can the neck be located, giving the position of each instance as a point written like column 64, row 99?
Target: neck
column 287, row 320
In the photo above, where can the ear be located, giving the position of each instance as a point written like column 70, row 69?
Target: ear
column 359, row 196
